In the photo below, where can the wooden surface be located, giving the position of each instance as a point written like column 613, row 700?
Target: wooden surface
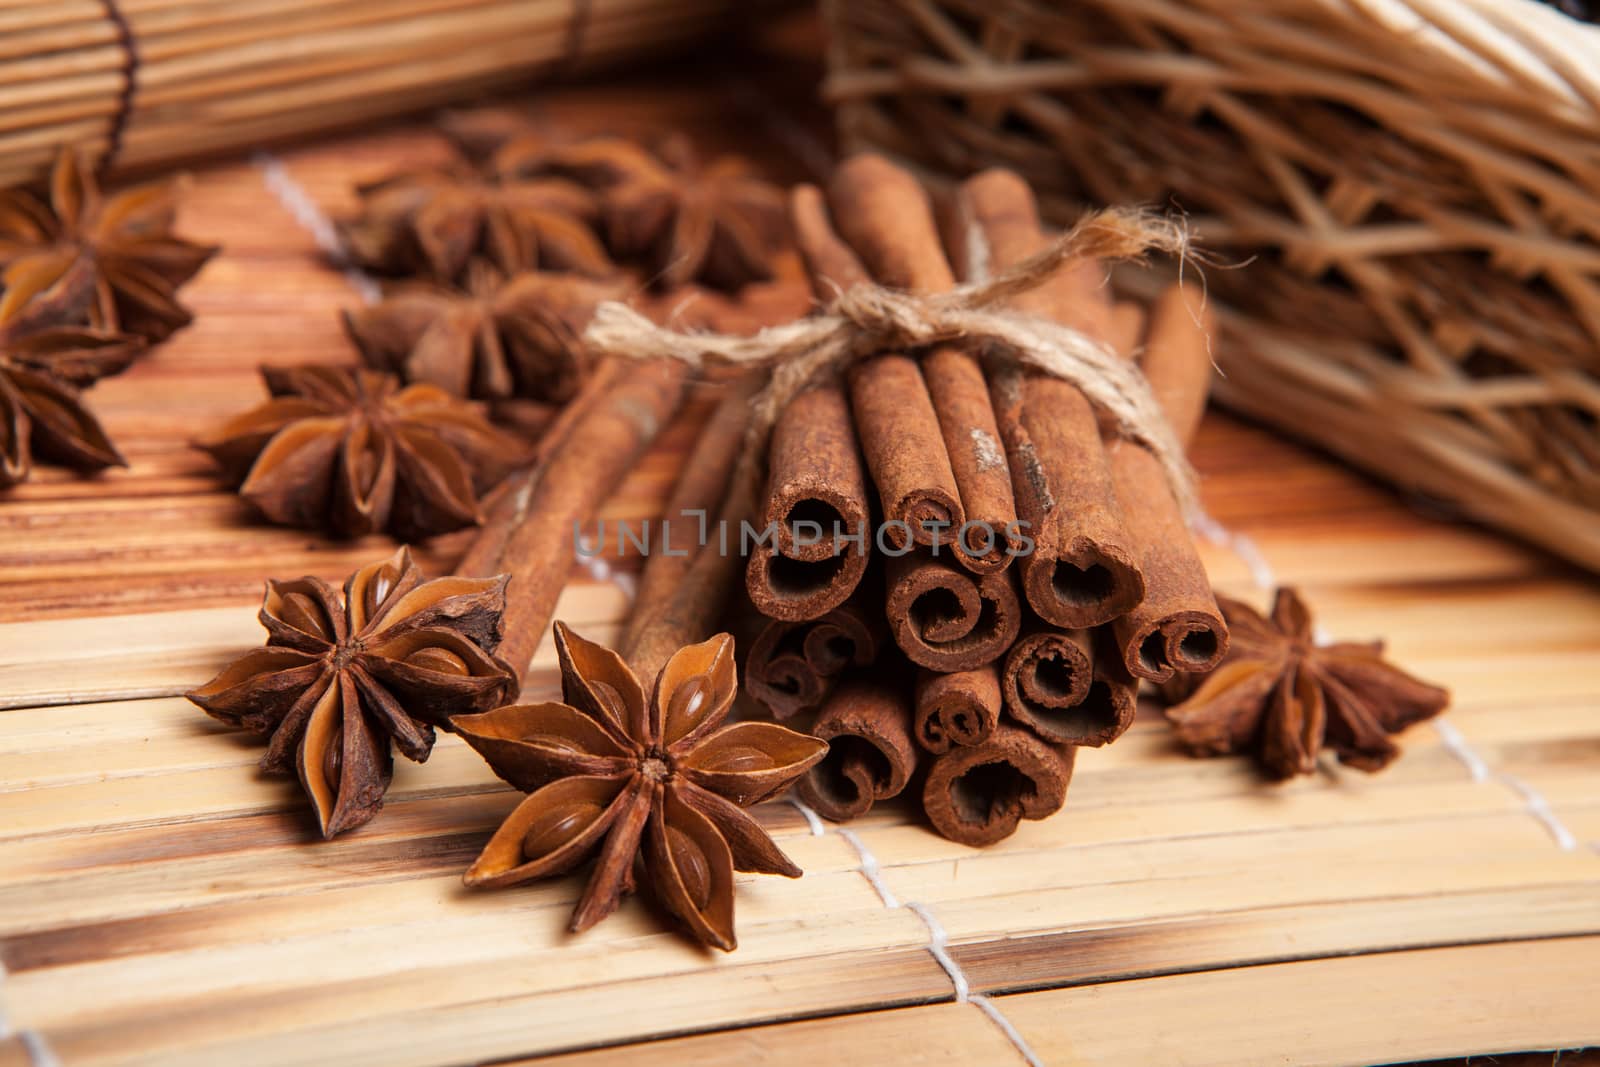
column 161, row 902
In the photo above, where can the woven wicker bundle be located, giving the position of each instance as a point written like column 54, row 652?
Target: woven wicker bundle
column 1415, row 182
column 141, row 82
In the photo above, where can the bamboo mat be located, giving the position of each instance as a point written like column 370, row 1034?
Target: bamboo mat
column 162, row 903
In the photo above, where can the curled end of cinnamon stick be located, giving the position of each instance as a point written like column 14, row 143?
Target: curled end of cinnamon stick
column 978, row 795
column 1191, row 642
column 795, row 590
column 958, row 709
column 946, row 619
column 867, row 724
column 1084, row 586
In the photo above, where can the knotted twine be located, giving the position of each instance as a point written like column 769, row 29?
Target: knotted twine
column 869, row 319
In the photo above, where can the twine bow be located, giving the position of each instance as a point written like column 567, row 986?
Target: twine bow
column 869, row 319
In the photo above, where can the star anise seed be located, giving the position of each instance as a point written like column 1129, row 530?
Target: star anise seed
column 43, row 357
column 623, row 778
column 138, row 263
column 350, row 449
column 1284, row 697
column 339, row 685
column 434, row 222
column 499, row 337
column 713, row 223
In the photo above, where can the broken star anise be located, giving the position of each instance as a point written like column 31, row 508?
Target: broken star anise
column 350, row 449
column 1284, row 697
column 44, row 356
column 622, row 776
column 433, row 223
column 338, row 686
column 497, row 337
column 138, row 262
column 713, row 223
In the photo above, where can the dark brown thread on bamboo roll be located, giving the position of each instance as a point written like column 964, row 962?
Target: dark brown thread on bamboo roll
column 130, row 84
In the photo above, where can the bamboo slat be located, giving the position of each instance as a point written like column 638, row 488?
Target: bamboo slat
column 163, row 902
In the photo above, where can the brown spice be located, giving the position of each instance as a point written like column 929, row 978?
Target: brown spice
column 792, row 666
column 627, row 779
column 885, row 214
column 530, row 533
column 341, row 682
column 978, row 795
column 137, row 264
column 815, row 478
column 867, row 724
column 496, row 337
column 433, row 223
column 959, row 709
column 352, row 450
column 1083, row 570
column 1177, row 627
column 1047, row 674
column 696, row 500
column 945, row 618
column 713, row 222
column 43, row 358
column 1283, row 697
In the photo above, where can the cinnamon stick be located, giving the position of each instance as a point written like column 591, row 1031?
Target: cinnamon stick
column 696, row 497
column 1046, row 675
column 530, row 532
column 1178, row 627
column 867, row 724
column 885, row 215
column 792, row 666
column 956, row 709
column 1070, row 687
column 1083, row 570
column 947, row 619
column 817, row 504
column 978, row 795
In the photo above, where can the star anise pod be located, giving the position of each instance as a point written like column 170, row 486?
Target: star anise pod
column 44, row 355
column 138, row 262
column 350, row 449
column 497, row 337
column 713, row 223
column 1284, row 697
column 340, row 685
column 622, row 776
column 433, row 222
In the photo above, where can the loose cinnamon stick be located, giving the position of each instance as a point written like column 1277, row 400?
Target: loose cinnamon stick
column 978, row 795
column 696, row 497
column 885, row 215
column 959, row 709
column 792, row 666
column 946, row 619
column 816, row 477
column 867, row 724
column 1178, row 627
column 530, row 534
column 1083, row 570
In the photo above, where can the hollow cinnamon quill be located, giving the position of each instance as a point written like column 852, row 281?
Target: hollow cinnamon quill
column 979, row 795
column 1084, row 569
column 867, row 724
column 792, row 666
column 945, row 618
column 1178, row 626
column 959, row 709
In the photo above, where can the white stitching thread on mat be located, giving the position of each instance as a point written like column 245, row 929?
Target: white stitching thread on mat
column 1454, row 741
column 938, row 941
column 40, row 1054
column 294, row 198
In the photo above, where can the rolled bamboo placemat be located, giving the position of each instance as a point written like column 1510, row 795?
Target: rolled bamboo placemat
column 140, row 82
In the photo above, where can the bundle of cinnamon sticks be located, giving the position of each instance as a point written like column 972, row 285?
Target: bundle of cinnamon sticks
column 969, row 571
